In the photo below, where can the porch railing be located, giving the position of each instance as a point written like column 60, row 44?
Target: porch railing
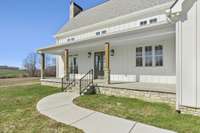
column 68, row 82
column 86, row 81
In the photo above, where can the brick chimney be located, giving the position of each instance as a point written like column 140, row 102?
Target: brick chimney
column 75, row 9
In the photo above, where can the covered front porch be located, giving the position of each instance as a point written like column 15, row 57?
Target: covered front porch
column 154, row 87
column 152, row 92
column 142, row 60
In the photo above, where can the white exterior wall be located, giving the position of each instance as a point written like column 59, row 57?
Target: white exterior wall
column 198, row 53
column 84, row 64
column 123, row 63
column 60, row 66
column 188, row 55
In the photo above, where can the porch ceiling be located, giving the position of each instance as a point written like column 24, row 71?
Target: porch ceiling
column 136, row 36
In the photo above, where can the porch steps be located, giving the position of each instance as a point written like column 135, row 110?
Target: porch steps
column 76, row 89
column 72, row 89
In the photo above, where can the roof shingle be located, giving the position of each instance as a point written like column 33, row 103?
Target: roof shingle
column 109, row 10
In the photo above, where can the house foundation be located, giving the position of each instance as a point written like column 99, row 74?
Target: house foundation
column 189, row 110
column 150, row 96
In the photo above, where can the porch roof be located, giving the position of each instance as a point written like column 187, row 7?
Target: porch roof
column 164, row 29
column 109, row 10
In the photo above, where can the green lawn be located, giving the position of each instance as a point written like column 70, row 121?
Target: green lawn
column 6, row 73
column 156, row 114
column 18, row 112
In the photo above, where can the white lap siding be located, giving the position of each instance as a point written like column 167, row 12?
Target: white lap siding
column 85, row 63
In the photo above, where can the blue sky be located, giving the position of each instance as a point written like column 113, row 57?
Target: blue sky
column 26, row 25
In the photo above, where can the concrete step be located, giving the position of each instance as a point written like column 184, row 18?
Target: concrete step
column 73, row 89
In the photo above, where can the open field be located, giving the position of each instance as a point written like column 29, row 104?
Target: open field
column 8, row 73
column 18, row 81
column 18, row 112
column 156, row 114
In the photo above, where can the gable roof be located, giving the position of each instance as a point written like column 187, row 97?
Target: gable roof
column 108, row 10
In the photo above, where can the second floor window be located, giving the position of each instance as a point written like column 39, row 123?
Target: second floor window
column 152, row 21
column 104, row 32
column 98, row 33
column 142, row 23
column 148, row 56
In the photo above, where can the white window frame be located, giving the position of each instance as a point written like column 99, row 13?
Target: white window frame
column 149, row 56
column 139, row 56
column 71, row 65
column 158, row 55
column 153, row 20
column 143, row 23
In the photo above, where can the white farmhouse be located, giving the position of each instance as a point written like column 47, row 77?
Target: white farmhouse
column 147, row 49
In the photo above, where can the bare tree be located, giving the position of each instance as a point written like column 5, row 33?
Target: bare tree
column 30, row 64
column 50, row 66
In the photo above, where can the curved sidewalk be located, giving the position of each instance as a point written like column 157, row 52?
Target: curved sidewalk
column 61, row 108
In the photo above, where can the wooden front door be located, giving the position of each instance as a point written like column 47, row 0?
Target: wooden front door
column 99, row 65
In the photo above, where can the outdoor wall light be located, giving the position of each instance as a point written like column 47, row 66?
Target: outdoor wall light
column 112, row 52
column 89, row 54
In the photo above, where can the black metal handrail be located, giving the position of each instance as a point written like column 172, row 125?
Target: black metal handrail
column 68, row 81
column 86, row 81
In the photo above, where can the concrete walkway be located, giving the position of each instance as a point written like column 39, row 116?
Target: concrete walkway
column 61, row 108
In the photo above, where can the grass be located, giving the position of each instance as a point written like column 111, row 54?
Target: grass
column 18, row 81
column 7, row 73
column 156, row 114
column 18, row 112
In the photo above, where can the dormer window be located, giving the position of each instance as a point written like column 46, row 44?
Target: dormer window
column 103, row 32
column 72, row 39
column 142, row 23
column 154, row 20
column 98, row 33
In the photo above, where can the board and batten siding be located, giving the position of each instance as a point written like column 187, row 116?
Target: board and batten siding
column 188, row 56
column 84, row 63
column 198, row 53
column 123, row 63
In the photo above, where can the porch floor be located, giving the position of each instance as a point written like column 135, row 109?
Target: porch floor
column 154, row 87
